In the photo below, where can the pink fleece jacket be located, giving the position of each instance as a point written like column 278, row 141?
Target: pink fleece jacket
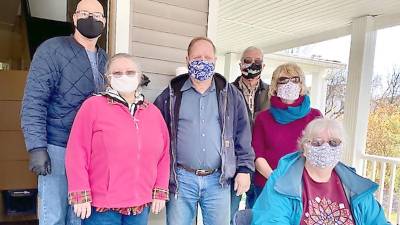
column 119, row 158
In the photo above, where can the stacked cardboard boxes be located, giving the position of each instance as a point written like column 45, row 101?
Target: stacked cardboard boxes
column 14, row 173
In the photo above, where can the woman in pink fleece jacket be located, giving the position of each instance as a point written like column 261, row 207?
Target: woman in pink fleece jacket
column 117, row 158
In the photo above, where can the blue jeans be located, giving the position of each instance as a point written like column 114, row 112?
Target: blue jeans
column 53, row 192
column 251, row 197
column 114, row 218
column 214, row 200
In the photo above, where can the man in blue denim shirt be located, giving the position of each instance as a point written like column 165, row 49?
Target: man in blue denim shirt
column 210, row 140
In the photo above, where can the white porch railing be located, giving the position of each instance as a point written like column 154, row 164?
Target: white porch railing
column 386, row 167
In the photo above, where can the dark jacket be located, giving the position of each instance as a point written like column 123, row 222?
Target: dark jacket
column 60, row 79
column 236, row 152
column 261, row 99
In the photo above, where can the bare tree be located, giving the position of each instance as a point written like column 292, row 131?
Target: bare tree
column 336, row 80
column 392, row 92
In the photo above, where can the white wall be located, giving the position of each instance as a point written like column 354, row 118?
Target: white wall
column 160, row 33
column 49, row 9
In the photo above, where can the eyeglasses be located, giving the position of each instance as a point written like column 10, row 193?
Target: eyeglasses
column 119, row 74
column 249, row 60
column 334, row 142
column 285, row 80
column 85, row 14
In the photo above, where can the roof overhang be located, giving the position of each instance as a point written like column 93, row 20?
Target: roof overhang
column 279, row 25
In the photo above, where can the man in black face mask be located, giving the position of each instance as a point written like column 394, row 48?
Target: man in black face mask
column 255, row 93
column 63, row 73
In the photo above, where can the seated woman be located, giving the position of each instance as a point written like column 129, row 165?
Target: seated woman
column 117, row 158
column 312, row 186
column 276, row 130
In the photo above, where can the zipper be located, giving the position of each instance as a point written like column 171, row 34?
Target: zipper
column 173, row 145
column 138, row 144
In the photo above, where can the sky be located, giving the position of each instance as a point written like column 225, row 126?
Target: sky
column 387, row 51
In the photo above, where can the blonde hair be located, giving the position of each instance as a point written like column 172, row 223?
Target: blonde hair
column 290, row 69
column 320, row 125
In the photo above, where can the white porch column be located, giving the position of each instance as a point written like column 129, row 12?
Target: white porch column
column 212, row 23
column 318, row 90
column 231, row 66
column 358, row 90
column 122, row 26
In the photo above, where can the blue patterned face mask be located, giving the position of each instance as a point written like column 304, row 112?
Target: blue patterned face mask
column 201, row 69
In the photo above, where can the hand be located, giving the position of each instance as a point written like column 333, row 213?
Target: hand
column 83, row 210
column 157, row 206
column 39, row 161
column 242, row 183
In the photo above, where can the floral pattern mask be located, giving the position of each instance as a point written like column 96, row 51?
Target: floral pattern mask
column 201, row 69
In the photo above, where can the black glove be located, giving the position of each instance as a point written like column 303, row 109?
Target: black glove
column 39, row 161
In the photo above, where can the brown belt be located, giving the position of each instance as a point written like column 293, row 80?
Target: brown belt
column 198, row 172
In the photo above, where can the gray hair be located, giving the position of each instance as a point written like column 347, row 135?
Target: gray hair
column 320, row 125
column 144, row 80
column 120, row 56
column 253, row 48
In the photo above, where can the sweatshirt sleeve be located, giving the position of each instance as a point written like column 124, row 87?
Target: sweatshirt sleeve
column 163, row 167
column 79, row 150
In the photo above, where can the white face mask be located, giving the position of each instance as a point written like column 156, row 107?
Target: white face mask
column 124, row 84
column 289, row 91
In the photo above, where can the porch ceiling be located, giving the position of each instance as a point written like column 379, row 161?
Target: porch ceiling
column 276, row 25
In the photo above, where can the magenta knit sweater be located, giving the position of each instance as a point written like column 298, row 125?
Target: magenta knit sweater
column 272, row 140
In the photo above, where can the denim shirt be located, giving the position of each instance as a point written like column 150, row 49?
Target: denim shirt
column 199, row 132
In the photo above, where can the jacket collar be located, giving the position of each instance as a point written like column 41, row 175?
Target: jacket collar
column 261, row 86
column 76, row 45
column 114, row 96
column 292, row 166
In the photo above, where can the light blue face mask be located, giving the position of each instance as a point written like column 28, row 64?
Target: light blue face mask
column 201, row 69
column 323, row 156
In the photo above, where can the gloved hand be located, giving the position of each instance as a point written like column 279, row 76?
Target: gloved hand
column 39, row 161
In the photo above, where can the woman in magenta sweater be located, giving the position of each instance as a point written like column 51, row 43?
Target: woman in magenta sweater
column 276, row 130
column 117, row 158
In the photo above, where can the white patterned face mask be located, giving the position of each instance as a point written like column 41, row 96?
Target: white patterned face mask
column 289, row 91
column 323, row 156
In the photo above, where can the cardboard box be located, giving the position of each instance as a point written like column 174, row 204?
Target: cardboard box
column 16, row 175
column 10, row 115
column 12, row 84
column 12, row 146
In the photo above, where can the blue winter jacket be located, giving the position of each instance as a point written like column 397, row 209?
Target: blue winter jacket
column 60, row 79
column 281, row 202
column 236, row 152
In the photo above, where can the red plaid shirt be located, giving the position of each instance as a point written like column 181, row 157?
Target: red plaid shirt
column 85, row 196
